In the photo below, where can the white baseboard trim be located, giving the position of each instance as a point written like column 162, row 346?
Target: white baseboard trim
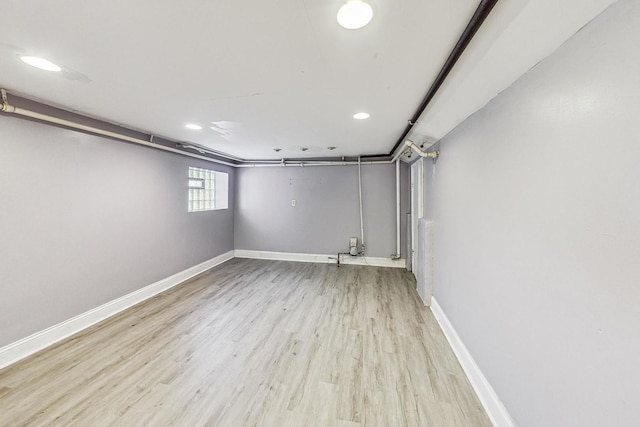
column 33, row 343
column 490, row 401
column 319, row 258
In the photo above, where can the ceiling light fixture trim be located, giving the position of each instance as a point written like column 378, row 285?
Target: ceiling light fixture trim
column 354, row 14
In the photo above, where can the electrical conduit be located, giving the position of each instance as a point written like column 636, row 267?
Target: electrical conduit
column 361, row 217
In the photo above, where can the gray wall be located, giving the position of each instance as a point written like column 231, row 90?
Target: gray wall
column 326, row 212
column 85, row 220
column 536, row 202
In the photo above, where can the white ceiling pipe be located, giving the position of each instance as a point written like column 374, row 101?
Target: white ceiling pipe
column 7, row 108
column 309, row 163
column 203, row 150
column 418, row 150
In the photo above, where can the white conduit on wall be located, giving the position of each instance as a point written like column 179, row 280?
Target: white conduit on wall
column 397, row 254
column 361, row 216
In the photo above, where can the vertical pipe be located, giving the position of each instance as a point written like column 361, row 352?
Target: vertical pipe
column 397, row 254
column 360, row 195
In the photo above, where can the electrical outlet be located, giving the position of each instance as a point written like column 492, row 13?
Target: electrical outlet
column 293, row 202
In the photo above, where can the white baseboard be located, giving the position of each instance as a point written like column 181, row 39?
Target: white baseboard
column 33, row 343
column 490, row 401
column 325, row 259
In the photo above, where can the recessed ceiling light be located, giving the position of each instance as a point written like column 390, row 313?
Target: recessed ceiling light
column 277, row 149
column 304, row 149
column 355, row 14
column 361, row 116
column 41, row 63
column 193, row 126
column 331, row 148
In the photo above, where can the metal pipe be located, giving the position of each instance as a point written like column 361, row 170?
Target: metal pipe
column 7, row 108
column 481, row 13
column 361, row 217
column 400, row 152
column 429, row 154
column 203, row 150
column 397, row 254
column 338, row 258
column 307, row 163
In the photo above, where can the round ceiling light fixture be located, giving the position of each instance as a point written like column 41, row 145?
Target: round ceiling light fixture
column 361, row 116
column 193, row 126
column 41, row 63
column 355, row 14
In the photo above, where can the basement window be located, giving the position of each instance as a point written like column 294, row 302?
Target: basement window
column 208, row 190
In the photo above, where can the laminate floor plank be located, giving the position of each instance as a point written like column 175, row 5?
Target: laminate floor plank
column 253, row 343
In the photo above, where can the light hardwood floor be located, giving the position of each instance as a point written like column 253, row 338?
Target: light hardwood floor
column 254, row 342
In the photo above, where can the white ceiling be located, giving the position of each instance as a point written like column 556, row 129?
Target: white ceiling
column 276, row 73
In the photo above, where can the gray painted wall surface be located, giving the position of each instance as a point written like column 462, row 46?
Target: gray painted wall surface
column 536, row 201
column 326, row 212
column 85, row 220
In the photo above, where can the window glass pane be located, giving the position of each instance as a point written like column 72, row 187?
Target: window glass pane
column 196, row 183
column 205, row 186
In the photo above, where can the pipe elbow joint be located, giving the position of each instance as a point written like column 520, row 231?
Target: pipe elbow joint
column 418, row 150
column 5, row 107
